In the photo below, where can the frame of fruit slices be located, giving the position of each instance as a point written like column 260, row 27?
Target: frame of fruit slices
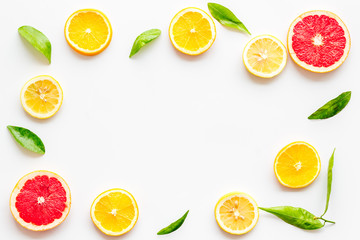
column 192, row 31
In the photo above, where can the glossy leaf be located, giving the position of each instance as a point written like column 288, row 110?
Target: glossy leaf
column 27, row 139
column 144, row 39
column 174, row 226
column 226, row 17
column 37, row 39
column 329, row 181
column 332, row 107
column 297, row 217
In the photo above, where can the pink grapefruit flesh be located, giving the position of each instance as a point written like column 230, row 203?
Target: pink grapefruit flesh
column 40, row 201
column 318, row 41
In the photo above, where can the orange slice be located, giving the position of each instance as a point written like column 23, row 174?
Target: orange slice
column 88, row 31
column 40, row 201
column 236, row 213
column 114, row 212
column 297, row 165
column 192, row 31
column 41, row 96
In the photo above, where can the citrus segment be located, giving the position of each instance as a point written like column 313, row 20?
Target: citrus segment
column 40, row 201
column 318, row 41
column 88, row 31
column 297, row 165
column 41, row 96
column 265, row 56
column 192, row 31
column 114, row 212
column 236, row 213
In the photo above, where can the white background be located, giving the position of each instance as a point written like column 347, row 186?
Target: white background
column 176, row 131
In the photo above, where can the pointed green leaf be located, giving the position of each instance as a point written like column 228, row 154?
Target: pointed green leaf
column 174, row 226
column 37, row 39
column 226, row 17
column 332, row 107
column 144, row 39
column 27, row 139
column 329, row 181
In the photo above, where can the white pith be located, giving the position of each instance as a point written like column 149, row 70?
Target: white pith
column 113, row 212
column 310, row 67
column 29, row 110
column 17, row 190
column 264, row 56
column 206, row 16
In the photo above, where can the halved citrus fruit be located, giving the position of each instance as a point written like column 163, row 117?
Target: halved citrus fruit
column 88, row 31
column 114, row 212
column 297, row 165
column 40, row 201
column 236, row 213
column 41, row 96
column 192, row 31
column 265, row 56
column 318, row 41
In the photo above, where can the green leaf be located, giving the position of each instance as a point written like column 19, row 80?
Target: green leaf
column 27, row 139
column 226, row 17
column 329, row 182
column 174, row 226
column 37, row 39
column 297, row 217
column 332, row 107
column 144, row 39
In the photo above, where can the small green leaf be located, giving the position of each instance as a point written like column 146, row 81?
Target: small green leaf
column 226, row 17
column 297, row 217
column 27, row 139
column 144, row 39
column 332, row 107
column 174, row 226
column 37, row 39
column 329, row 182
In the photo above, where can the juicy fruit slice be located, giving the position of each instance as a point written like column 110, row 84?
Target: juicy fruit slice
column 265, row 56
column 41, row 96
column 192, row 31
column 297, row 165
column 88, row 31
column 114, row 212
column 318, row 41
column 40, row 201
column 237, row 213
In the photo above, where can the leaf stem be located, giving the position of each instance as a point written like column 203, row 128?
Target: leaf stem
column 326, row 220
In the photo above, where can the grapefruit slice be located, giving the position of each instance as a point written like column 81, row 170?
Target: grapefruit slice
column 318, row 41
column 40, row 201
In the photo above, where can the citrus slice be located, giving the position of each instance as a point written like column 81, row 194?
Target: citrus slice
column 297, row 165
column 236, row 213
column 192, row 31
column 88, row 31
column 318, row 41
column 40, row 201
column 41, row 96
column 114, row 212
column 265, row 56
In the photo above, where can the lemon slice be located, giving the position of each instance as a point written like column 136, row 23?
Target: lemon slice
column 192, row 31
column 114, row 212
column 41, row 96
column 88, row 31
column 265, row 56
column 236, row 213
column 297, row 165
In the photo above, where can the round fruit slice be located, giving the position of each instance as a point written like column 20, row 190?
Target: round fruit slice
column 318, row 41
column 88, row 31
column 114, row 212
column 297, row 165
column 237, row 213
column 41, row 96
column 192, row 31
column 40, row 201
column 265, row 56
